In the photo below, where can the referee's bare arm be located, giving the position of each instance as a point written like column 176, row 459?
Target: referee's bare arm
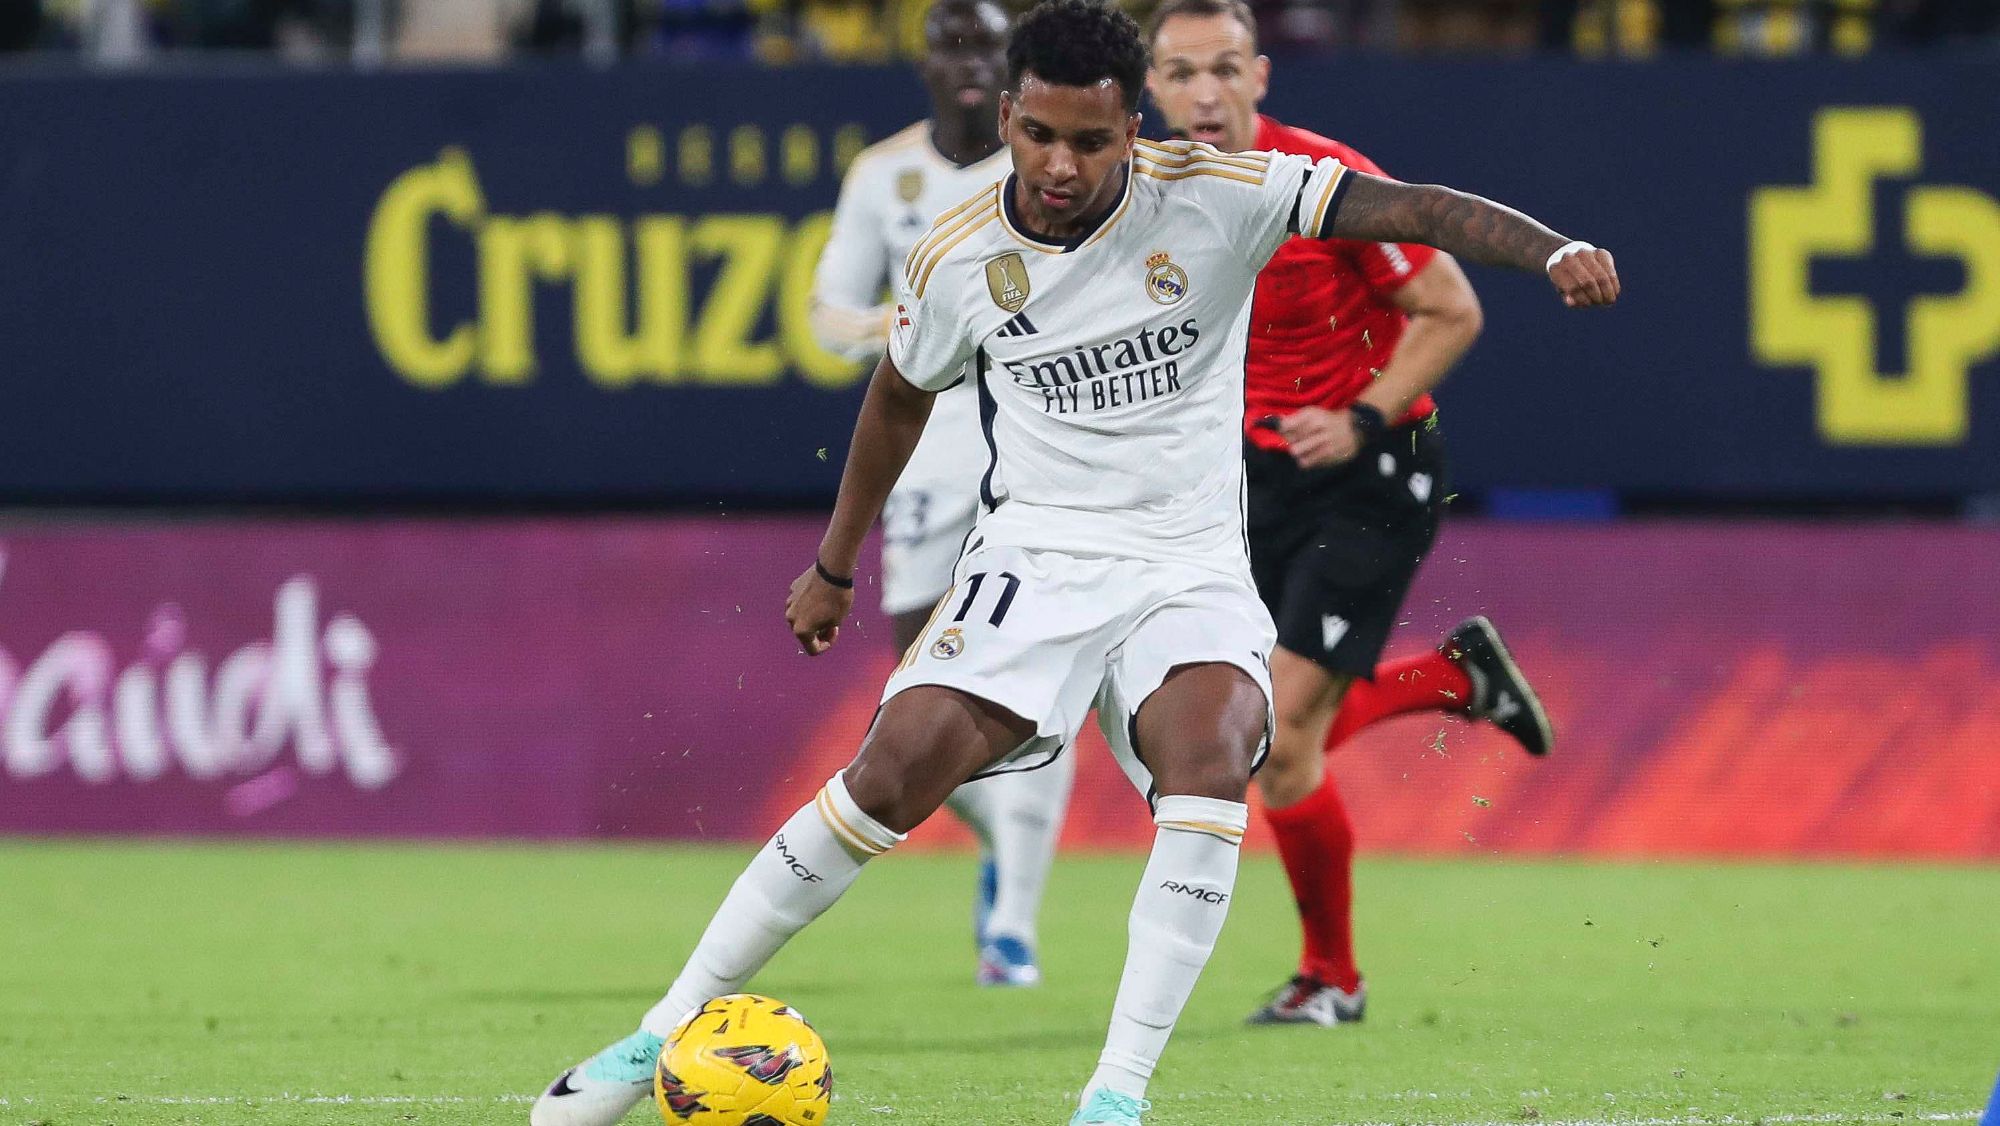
column 1472, row 228
column 892, row 419
column 1444, row 319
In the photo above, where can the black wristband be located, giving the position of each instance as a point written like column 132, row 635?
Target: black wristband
column 832, row 579
column 1368, row 422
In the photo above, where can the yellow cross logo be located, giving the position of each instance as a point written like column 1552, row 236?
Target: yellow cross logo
column 1834, row 216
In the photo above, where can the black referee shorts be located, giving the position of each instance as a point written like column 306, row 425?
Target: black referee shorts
column 1334, row 549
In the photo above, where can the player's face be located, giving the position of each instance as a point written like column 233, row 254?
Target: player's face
column 965, row 58
column 1069, row 144
column 1207, row 78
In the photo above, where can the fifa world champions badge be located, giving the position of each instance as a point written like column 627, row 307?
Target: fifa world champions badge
column 1007, row 281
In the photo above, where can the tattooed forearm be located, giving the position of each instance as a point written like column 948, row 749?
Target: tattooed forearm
column 1479, row 230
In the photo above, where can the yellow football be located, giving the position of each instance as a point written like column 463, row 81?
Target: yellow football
column 744, row 1060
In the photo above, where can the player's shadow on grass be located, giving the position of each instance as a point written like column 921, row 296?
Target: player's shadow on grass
column 639, row 996
column 645, row 995
column 977, row 1043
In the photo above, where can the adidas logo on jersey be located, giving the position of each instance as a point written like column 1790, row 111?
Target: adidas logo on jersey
column 1019, row 326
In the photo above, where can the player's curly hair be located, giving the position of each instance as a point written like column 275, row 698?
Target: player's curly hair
column 1078, row 43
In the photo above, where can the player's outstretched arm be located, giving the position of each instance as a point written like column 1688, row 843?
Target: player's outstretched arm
column 892, row 419
column 1375, row 209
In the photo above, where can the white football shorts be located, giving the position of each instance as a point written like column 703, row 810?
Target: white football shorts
column 923, row 530
column 1049, row 636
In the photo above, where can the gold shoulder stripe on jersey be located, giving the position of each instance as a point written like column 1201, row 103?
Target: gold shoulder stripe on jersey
column 943, row 229
column 980, row 219
column 903, row 138
column 1256, row 161
column 1325, row 198
column 938, row 230
column 922, row 264
column 1184, row 173
column 1167, row 168
column 1249, row 163
column 1156, row 168
column 893, row 143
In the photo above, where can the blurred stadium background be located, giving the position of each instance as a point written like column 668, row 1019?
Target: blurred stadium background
column 393, row 447
column 410, row 426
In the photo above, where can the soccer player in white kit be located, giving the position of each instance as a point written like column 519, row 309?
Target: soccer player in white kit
column 892, row 192
column 1101, row 294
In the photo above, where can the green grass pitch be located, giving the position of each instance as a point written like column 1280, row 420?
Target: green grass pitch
column 162, row 983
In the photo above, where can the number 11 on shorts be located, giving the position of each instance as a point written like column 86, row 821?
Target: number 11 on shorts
column 1000, row 605
column 951, row 643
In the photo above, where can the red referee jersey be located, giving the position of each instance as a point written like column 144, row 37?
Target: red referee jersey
column 1322, row 322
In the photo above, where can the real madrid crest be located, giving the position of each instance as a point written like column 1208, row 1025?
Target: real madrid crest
column 1166, row 283
column 909, row 184
column 1007, row 281
column 949, row 644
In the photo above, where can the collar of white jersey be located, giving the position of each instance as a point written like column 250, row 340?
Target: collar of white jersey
column 1078, row 241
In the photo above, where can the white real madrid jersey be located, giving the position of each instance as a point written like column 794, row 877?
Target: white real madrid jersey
column 1110, row 368
column 890, row 195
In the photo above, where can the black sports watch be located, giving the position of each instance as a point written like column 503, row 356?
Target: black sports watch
column 1368, row 422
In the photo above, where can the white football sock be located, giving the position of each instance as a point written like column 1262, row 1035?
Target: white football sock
column 796, row 875
column 977, row 804
column 1176, row 917
column 1032, row 804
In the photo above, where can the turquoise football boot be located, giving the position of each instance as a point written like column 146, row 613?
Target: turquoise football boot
column 602, row 1089
column 1106, row 1107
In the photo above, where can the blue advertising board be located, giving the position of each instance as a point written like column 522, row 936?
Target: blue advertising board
column 553, row 284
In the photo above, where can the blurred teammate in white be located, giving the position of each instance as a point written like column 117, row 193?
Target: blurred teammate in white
column 892, row 192
column 1101, row 295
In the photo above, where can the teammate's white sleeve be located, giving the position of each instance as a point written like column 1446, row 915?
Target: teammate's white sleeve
column 847, row 314
column 1298, row 195
column 928, row 339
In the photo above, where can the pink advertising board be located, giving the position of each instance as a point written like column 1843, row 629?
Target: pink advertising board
column 1721, row 689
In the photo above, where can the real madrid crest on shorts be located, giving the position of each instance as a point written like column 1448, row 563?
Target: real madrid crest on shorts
column 1165, row 282
column 949, row 644
column 1007, row 281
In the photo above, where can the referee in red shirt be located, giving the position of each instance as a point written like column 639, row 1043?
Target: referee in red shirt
column 1346, row 481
